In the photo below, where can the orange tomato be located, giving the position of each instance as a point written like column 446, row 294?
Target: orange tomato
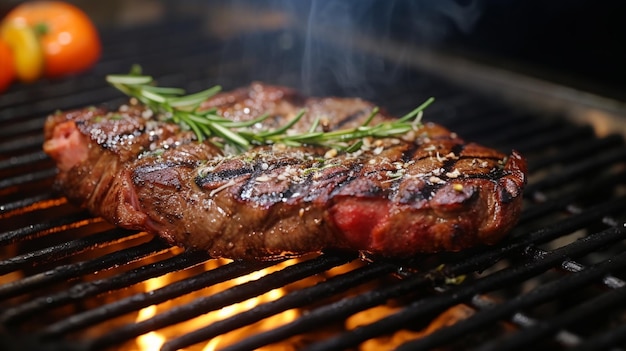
column 7, row 69
column 68, row 37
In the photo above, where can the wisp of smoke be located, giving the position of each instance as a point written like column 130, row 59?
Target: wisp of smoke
column 324, row 34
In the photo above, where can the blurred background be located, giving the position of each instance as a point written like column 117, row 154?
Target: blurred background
column 577, row 43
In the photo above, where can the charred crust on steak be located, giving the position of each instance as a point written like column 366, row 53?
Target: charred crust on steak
column 210, row 179
column 428, row 191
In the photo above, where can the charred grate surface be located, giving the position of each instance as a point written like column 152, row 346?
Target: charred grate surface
column 69, row 281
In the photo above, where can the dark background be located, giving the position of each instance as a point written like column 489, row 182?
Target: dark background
column 579, row 43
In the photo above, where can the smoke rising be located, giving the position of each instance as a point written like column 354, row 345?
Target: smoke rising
column 319, row 37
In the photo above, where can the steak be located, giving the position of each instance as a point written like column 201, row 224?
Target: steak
column 426, row 192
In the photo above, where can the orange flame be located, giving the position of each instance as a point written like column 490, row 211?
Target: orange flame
column 153, row 341
column 449, row 317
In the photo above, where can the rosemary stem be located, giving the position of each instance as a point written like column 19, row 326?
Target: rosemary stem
column 171, row 104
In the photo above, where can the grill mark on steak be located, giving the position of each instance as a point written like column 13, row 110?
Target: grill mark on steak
column 394, row 197
column 352, row 174
column 326, row 183
column 263, row 173
column 457, row 149
column 409, row 152
column 223, row 176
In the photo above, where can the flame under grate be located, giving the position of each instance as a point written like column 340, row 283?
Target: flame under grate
column 69, row 281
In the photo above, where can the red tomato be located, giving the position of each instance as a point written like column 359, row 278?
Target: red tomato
column 68, row 37
column 7, row 69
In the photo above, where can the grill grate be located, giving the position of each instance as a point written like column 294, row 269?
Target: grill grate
column 69, row 281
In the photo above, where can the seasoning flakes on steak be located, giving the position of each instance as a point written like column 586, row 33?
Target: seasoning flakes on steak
column 425, row 192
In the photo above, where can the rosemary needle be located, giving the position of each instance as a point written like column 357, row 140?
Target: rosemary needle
column 172, row 105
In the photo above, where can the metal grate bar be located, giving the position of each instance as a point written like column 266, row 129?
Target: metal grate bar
column 549, row 206
column 98, row 93
column 91, row 317
column 60, row 251
column 49, row 105
column 123, row 280
column 568, row 225
column 336, row 311
column 497, row 280
column 23, row 160
column 573, row 171
column 24, row 142
column 294, row 299
column 599, row 304
column 36, row 230
column 605, row 340
column 31, row 125
column 69, row 271
column 333, row 312
column 564, row 337
column 28, row 178
column 562, row 135
column 233, row 295
column 575, row 152
column 7, row 208
column 520, row 319
column 543, row 293
column 609, row 280
column 521, row 131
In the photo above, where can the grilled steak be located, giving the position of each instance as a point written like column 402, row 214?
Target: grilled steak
column 429, row 191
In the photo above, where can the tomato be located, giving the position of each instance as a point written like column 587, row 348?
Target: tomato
column 25, row 49
column 7, row 69
column 69, row 39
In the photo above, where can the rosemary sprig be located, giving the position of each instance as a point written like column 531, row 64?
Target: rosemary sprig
column 171, row 104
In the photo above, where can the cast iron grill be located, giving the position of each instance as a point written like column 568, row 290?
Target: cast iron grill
column 69, row 281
